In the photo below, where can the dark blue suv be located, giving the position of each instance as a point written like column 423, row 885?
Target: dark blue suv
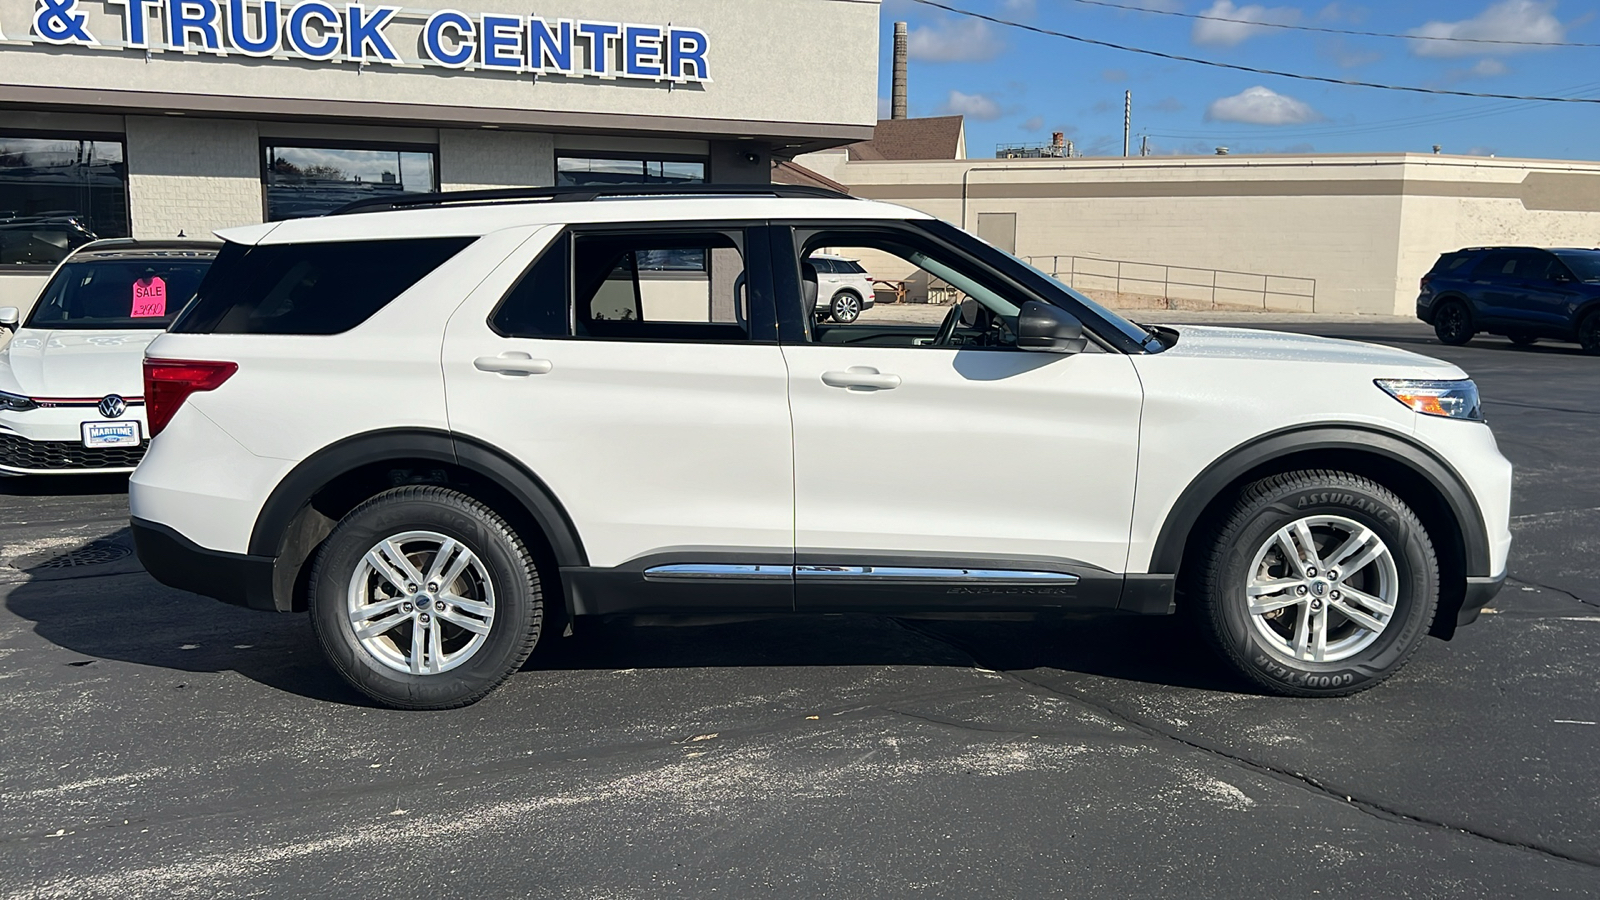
column 1524, row 293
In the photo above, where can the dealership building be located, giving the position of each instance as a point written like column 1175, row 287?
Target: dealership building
column 160, row 118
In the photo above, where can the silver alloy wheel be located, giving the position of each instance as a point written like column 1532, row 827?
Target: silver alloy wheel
column 846, row 308
column 1322, row 589
column 421, row 603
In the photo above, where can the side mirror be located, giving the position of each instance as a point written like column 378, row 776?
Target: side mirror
column 1049, row 329
column 9, row 317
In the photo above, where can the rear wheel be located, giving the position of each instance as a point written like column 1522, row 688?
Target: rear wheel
column 846, row 307
column 1452, row 322
column 1319, row 584
column 1589, row 333
column 424, row 598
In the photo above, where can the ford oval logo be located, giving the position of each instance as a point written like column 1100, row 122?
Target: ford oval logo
column 111, row 406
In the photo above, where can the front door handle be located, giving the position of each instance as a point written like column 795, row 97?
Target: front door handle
column 514, row 363
column 861, row 378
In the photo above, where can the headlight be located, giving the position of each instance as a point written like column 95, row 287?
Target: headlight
column 1451, row 399
column 16, row 402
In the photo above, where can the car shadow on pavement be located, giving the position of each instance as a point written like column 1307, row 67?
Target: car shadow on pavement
column 114, row 611
column 74, row 485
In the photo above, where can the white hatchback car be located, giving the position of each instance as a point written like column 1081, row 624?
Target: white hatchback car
column 451, row 426
column 71, row 390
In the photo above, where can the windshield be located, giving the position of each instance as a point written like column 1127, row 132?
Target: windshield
column 117, row 293
column 1586, row 266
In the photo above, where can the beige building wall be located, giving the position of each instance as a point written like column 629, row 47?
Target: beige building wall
column 1329, row 233
column 490, row 160
column 192, row 175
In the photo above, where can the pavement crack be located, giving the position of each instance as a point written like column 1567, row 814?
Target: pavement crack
column 1290, row 777
column 1551, row 587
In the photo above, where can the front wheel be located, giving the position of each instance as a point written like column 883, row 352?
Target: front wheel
column 1452, row 322
column 846, row 308
column 424, row 598
column 1320, row 584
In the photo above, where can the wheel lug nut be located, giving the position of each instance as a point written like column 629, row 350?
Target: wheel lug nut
column 406, row 607
column 1316, row 604
column 411, row 588
column 1311, row 573
column 425, row 618
column 433, row 588
column 439, row 605
column 1301, row 590
column 1333, row 596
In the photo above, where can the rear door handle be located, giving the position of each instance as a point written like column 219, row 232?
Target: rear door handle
column 514, row 363
column 861, row 378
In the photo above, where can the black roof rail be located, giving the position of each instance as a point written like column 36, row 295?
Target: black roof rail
column 583, row 194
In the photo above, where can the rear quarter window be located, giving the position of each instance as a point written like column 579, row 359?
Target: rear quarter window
column 326, row 288
column 1451, row 262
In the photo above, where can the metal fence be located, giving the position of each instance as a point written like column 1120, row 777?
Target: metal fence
column 1186, row 285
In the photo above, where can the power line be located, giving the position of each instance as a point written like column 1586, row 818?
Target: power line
column 1322, row 30
column 1251, row 69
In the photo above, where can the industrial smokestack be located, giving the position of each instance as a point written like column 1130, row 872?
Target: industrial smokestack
column 897, row 109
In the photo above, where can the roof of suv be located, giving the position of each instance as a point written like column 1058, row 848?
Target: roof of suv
column 444, row 216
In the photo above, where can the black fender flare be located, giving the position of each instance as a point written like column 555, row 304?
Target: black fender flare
column 1394, row 446
column 295, row 490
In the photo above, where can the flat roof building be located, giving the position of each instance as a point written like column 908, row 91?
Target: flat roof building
column 154, row 118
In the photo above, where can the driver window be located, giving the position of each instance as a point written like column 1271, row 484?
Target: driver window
column 865, row 288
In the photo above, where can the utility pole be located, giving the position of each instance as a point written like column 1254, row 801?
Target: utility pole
column 1144, row 145
column 1127, row 119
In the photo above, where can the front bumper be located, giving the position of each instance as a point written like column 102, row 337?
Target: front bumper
column 49, row 441
column 178, row 562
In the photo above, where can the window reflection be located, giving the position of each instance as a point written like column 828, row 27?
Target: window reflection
column 312, row 181
column 572, row 171
column 57, row 194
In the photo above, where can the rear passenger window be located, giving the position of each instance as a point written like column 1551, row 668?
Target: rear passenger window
column 537, row 306
column 662, row 286
column 309, row 288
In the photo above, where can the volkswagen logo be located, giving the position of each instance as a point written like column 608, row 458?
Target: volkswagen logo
column 111, row 406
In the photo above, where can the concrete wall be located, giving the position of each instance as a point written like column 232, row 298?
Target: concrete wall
column 1362, row 228
column 192, row 175
column 488, row 160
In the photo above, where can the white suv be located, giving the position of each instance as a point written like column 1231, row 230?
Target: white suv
column 451, row 427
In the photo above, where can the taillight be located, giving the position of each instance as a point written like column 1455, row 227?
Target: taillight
column 169, row 382
column 1424, row 284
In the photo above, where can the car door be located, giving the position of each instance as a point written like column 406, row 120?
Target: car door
column 966, row 476
column 635, row 372
column 1545, row 292
column 1492, row 286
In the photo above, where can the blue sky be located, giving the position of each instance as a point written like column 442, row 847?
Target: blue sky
column 1019, row 86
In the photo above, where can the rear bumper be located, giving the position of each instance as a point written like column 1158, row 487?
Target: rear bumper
column 1479, row 592
column 178, row 562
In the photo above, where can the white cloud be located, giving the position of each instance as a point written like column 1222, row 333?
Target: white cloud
column 974, row 106
column 1020, row 7
column 1033, row 124
column 1261, row 106
column 1212, row 33
column 1508, row 20
column 1488, row 68
column 961, row 40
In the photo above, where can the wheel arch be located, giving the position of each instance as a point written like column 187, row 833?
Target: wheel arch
column 303, row 509
column 1427, row 483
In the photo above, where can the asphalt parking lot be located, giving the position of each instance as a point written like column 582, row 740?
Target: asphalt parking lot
column 157, row 744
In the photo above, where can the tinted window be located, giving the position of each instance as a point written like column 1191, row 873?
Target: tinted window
column 1586, row 266
column 660, row 287
column 57, row 194
column 537, row 306
column 1451, row 262
column 309, row 288
column 824, row 266
column 852, row 268
column 572, row 171
column 311, row 181
column 1495, row 265
column 118, row 293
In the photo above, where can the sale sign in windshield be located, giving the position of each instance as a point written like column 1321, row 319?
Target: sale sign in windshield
column 149, row 297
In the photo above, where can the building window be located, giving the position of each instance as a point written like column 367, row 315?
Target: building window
column 302, row 180
column 573, row 171
column 57, row 194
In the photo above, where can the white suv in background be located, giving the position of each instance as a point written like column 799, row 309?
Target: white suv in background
column 450, row 426
column 844, row 288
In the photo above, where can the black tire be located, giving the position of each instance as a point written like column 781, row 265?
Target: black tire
column 518, row 602
column 1452, row 322
column 1275, row 503
column 1524, row 340
column 1589, row 333
column 845, row 307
